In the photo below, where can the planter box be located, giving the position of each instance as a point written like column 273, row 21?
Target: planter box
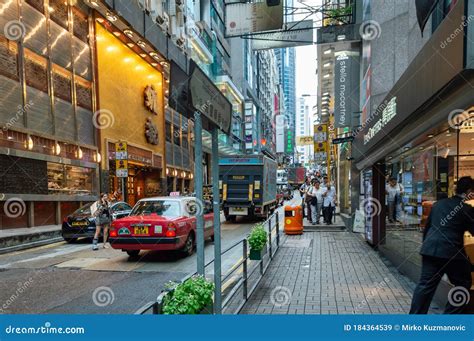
column 257, row 254
column 207, row 310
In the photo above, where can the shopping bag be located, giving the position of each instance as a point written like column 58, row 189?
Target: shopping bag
column 469, row 246
column 94, row 208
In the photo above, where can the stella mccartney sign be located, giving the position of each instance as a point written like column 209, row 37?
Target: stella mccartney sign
column 388, row 113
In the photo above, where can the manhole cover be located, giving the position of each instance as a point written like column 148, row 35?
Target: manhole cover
column 298, row 243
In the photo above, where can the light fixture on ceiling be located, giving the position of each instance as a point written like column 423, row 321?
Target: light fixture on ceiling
column 154, row 64
column 29, row 144
column 130, row 45
column 57, row 148
column 326, row 64
column 128, row 33
column 328, row 51
column 117, row 33
column 110, row 16
column 94, row 3
column 141, row 43
column 79, row 153
column 430, row 135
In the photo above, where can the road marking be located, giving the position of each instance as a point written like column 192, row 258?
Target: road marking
column 61, row 252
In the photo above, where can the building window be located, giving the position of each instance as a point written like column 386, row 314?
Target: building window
column 168, row 132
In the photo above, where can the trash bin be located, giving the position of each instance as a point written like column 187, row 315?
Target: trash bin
column 293, row 220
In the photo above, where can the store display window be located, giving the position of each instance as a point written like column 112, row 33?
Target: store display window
column 70, row 180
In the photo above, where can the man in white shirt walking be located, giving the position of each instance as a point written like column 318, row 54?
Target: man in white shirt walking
column 329, row 201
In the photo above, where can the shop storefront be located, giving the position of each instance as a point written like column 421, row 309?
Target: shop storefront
column 48, row 150
column 422, row 136
column 132, row 85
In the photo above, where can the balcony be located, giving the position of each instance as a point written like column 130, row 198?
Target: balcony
column 339, row 24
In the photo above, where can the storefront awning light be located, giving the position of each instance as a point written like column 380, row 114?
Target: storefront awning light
column 128, row 33
column 57, row 149
column 29, row 144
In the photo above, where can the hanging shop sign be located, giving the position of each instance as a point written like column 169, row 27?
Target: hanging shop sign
column 121, row 151
column 320, row 133
column 320, row 151
column 388, row 113
column 297, row 33
column 289, row 146
column 208, row 100
column 346, row 89
column 244, row 18
column 121, row 168
column 304, row 140
column 341, row 140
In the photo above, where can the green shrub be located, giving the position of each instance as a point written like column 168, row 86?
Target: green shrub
column 257, row 238
column 189, row 297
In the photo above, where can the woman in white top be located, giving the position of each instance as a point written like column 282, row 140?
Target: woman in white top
column 394, row 193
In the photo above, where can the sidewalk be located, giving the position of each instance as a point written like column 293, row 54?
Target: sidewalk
column 330, row 273
column 23, row 238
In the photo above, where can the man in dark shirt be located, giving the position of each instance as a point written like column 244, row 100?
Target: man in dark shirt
column 442, row 250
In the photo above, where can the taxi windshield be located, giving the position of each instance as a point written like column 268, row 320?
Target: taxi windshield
column 164, row 208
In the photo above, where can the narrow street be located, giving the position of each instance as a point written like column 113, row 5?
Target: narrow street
column 61, row 277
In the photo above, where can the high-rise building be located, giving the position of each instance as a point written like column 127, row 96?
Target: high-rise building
column 286, row 65
column 303, row 127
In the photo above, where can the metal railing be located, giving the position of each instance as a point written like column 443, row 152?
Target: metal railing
column 242, row 279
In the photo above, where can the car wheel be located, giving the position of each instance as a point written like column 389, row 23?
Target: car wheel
column 188, row 248
column 70, row 240
column 133, row 253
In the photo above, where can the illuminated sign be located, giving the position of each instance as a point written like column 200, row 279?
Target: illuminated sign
column 388, row 114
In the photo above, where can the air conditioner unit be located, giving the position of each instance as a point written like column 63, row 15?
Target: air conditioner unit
column 163, row 21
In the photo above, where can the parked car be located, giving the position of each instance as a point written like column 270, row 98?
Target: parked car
column 81, row 223
column 161, row 224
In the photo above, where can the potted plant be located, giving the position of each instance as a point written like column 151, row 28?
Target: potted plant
column 257, row 241
column 191, row 297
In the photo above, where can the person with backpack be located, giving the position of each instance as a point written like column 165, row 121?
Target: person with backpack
column 102, row 220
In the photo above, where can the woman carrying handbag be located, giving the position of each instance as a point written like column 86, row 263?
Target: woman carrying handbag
column 102, row 220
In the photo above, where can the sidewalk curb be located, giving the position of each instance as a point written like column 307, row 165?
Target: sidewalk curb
column 27, row 241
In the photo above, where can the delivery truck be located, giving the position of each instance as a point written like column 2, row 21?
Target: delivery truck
column 296, row 176
column 248, row 186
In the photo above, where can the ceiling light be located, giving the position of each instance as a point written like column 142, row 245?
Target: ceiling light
column 112, row 17
column 57, row 149
column 94, row 3
column 100, row 20
column 430, row 135
column 29, row 144
column 130, row 45
column 326, row 94
column 128, row 33
column 326, row 64
column 79, row 153
column 154, row 64
column 327, row 75
column 328, row 51
column 141, row 43
column 341, row 37
column 117, row 33
column 143, row 55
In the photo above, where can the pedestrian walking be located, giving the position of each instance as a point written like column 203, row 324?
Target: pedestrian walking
column 316, row 194
column 394, row 192
column 329, row 200
column 442, row 249
column 305, row 199
column 102, row 221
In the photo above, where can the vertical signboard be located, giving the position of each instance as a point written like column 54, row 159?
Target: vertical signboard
column 346, row 89
column 121, row 160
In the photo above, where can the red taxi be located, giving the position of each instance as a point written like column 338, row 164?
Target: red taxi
column 162, row 224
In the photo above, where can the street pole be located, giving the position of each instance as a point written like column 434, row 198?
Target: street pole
column 198, row 189
column 217, row 222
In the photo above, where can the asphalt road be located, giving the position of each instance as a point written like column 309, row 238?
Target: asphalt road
column 72, row 279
